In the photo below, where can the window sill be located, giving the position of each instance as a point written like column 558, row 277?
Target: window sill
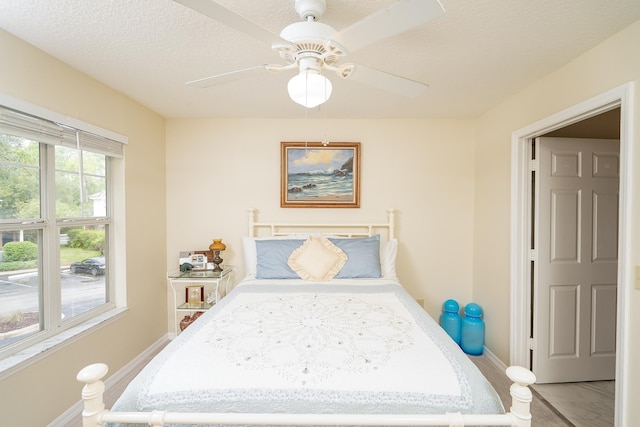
column 39, row 351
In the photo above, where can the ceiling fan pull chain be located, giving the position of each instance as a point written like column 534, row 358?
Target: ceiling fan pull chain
column 306, row 126
column 325, row 140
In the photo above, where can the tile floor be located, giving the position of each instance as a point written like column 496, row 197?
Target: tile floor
column 585, row 404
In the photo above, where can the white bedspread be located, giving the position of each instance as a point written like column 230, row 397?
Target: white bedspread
column 313, row 348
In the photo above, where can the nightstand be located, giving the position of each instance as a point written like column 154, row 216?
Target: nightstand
column 197, row 290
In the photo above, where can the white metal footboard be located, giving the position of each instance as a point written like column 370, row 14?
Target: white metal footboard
column 95, row 414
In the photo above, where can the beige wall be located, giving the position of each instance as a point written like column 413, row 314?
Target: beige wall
column 422, row 168
column 609, row 65
column 32, row 76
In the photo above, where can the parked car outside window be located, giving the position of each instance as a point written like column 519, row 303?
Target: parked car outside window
column 94, row 266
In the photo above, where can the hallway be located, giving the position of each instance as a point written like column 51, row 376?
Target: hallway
column 585, row 404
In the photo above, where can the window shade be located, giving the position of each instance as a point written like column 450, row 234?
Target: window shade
column 20, row 124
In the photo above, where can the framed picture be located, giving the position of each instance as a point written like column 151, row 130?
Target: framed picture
column 194, row 294
column 314, row 175
column 198, row 259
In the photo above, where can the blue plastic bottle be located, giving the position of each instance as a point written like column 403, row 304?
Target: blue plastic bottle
column 472, row 333
column 450, row 319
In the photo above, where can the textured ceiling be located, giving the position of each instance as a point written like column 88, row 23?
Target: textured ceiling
column 476, row 55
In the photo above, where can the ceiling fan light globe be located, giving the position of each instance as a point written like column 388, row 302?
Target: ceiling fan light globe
column 309, row 89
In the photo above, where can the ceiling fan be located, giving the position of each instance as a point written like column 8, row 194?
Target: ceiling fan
column 311, row 46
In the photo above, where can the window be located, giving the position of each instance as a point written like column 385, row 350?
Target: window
column 56, row 224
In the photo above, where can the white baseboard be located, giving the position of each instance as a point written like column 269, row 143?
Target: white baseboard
column 76, row 410
column 494, row 359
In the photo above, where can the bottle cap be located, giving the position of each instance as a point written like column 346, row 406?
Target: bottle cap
column 472, row 309
column 451, row 306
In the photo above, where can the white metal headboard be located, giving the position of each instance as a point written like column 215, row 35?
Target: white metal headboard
column 340, row 229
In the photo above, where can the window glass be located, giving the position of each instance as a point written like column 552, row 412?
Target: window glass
column 93, row 163
column 20, row 287
column 80, row 183
column 19, row 178
column 81, row 193
column 83, row 269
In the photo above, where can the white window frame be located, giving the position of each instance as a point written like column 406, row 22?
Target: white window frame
column 35, row 347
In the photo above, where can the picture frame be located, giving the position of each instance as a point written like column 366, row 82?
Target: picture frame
column 320, row 175
column 194, row 294
column 199, row 260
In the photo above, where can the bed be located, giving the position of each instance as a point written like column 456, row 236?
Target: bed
column 319, row 332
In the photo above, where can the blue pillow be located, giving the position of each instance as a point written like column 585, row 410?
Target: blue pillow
column 363, row 257
column 272, row 257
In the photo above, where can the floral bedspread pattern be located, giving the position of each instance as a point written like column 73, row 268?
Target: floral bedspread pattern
column 309, row 338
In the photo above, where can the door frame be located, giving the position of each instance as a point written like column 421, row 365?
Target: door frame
column 521, row 217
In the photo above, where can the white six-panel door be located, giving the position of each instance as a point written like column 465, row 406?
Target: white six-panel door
column 575, row 267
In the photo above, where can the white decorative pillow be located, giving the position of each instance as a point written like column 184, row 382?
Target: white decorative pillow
column 317, row 259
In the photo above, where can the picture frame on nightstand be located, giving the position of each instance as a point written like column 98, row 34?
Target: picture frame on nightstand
column 194, row 295
column 198, row 260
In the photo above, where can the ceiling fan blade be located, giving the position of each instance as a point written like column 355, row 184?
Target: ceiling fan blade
column 225, row 16
column 228, row 77
column 388, row 82
column 395, row 19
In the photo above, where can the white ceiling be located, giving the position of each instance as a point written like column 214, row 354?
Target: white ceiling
column 476, row 55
